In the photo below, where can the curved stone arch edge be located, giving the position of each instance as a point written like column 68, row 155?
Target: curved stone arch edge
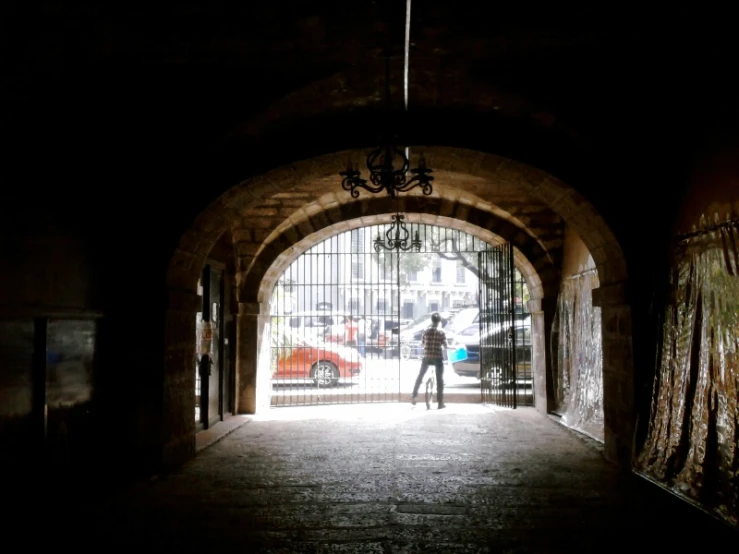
column 283, row 261
column 259, row 311
column 560, row 197
column 191, row 253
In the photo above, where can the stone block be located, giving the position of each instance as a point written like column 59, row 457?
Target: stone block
column 242, row 235
column 183, row 300
column 610, row 322
column 291, row 235
column 247, row 310
column 243, row 263
column 305, row 228
column 179, row 325
column 177, row 451
column 179, row 360
column 319, row 221
column 247, row 249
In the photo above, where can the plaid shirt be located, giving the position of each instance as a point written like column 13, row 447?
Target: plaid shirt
column 433, row 339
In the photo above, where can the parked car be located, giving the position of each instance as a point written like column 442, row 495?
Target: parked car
column 314, row 323
column 470, row 338
column 462, row 319
column 336, row 330
column 296, row 357
column 410, row 337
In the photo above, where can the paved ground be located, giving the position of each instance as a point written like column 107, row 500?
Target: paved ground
column 392, row 479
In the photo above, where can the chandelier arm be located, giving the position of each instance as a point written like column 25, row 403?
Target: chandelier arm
column 372, row 188
column 406, row 163
column 410, row 185
column 371, row 161
column 351, row 183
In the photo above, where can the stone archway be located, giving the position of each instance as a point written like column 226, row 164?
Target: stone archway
column 256, row 289
column 470, row 173
column 281, row 249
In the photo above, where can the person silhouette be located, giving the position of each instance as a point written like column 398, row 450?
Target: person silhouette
column 434, row 343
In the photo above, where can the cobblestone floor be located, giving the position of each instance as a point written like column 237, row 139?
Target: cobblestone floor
column 392, row 479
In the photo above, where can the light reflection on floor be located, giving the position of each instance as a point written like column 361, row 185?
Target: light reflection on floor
column 392, row 411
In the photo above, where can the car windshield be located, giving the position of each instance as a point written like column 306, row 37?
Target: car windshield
column 462, row 319
column 424, row 319
column 470, row 331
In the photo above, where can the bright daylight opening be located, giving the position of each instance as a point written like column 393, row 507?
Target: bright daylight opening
column 346, row 319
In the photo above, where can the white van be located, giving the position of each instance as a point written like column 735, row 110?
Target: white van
column 314, row 324
column 462, row 319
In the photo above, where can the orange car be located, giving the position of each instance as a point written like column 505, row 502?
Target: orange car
column 296, row 357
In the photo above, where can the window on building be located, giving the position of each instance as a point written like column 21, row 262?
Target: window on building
column 412, row 276
column 434, row 306
column 357, row 268
column 358, row 240
column 357, row 250
column 381, row 306
column 407, row 310
column 436, row 271
column 461, row 272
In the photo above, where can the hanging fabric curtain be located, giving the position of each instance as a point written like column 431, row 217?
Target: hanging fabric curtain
column 579, row 356
column 690, row 444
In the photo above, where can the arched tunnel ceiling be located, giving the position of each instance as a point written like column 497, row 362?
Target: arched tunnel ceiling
column 506, row 200
column 429, row 87
column 173, row 80
column 176, row 80
column 273, row 214
column 225, row 63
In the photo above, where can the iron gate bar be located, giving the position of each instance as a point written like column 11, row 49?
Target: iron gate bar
column 505, row 331
column 509, row 384
column 493, row 325
column 349, row 277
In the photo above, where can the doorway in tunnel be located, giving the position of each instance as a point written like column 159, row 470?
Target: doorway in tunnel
column 213, row 356
column 347, row 316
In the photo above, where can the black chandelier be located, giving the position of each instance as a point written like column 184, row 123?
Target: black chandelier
column 397, row 237
column 383, row 174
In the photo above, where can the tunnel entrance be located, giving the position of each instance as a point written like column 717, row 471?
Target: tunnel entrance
column 347, row 317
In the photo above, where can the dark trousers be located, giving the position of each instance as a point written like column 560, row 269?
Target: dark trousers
column 438, row 363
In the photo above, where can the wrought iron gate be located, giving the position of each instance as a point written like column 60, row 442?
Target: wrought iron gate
column 323, row 299
column 505, row 331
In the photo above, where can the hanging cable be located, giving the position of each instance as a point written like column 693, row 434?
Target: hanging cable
column 407, row 56
column 383, row 175
column 407, row 51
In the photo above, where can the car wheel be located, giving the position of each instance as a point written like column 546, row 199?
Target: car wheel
column 324, row 374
